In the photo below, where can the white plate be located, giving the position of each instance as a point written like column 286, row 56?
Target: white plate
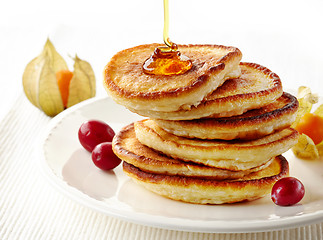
column 69, row 167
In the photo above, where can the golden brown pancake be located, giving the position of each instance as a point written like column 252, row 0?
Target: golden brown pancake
column 250, row 125
column 127, row 147
column 128, row 85
column 255, row 88
column 209, row 191
column 232, row 155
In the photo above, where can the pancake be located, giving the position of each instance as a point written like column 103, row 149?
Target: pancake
column 232, row 155
column 255, row 88
column 128, row 85
column 127, row 147
column 250, row 125
column 207, row 191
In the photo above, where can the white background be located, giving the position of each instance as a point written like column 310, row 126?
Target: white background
column 283, row 35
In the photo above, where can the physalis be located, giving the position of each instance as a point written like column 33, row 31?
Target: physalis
column 309, row 125
column 51, row 87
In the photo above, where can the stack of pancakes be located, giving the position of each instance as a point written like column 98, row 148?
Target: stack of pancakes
column 213, row 135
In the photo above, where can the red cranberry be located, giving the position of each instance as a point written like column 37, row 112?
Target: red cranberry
column 287, row 191
column 94, row 132
column 103, row 156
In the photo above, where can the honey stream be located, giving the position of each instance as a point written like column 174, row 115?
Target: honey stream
column 167, row 60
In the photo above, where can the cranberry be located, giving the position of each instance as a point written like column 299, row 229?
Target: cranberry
column 103, row 156
column 287, row 191
column 94, row 132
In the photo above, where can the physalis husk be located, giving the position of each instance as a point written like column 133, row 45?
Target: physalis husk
column 41, row 86
column 82, row 85
column 305, row 148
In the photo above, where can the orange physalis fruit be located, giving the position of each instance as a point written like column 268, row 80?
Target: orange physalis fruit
column 49, row 85
column 63, row 80
column 311, row 125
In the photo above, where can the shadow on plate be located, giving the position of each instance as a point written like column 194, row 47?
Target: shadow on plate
column 80, row 172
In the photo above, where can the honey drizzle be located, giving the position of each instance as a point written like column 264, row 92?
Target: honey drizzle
column 171, row 46
column 167, row 60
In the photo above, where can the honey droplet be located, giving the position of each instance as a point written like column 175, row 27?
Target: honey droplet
column 167, row 61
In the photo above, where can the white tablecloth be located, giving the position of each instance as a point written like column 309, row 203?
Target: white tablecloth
column 30, row 208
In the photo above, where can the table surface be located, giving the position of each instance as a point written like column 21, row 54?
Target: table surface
column 284, row 36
